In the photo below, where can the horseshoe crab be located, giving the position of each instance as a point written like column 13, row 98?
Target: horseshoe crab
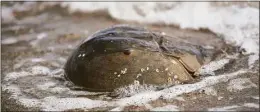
column 123, row 55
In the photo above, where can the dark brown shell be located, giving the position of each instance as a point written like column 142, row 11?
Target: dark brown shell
column 121, row 55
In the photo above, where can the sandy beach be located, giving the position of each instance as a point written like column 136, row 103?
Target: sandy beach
column 35, row 48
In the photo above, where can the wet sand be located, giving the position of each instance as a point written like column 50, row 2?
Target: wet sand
column 66, row 32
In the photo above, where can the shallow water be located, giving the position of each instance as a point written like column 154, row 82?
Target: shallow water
column 35, row 48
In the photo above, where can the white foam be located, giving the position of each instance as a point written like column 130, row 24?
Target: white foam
column 179, row 98
column 9, row 40
column 220, row 97
column 133, row 89
column 82, row 6
column 209, row 68
column 57, row 103
column 240, row 84
column 59, row 89
column 13, row 89
column 225, row 108
column 117, row 109
column 234, row 107
column 37, row 60
column 61, row 104
column 210, row 91
column 139, row 99
column 42, row 35
column 16, row 75
column 81, row 93
column 255, row 97
column 58, row 72
column 166, row 108
column 40, row 70
column 46, row 85
column 28, row 61
column 208, row 81
column 30, row 102
column 252, row 59
column 252, row 105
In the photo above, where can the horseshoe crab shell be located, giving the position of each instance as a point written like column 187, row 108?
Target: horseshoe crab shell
column 122, row 55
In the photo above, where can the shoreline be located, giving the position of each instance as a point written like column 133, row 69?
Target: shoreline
column 65, row 32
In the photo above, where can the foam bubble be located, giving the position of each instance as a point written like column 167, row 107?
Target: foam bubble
column 239, row 84
column 224, row 108
column 252, row 105
column 210, row 91
column 133, row 89
column 40, row 70
column 46, row 85
column 212, row 66
column 30, row 102
column 9, row 40
column 13, row 89
column 166, row 108
column 16, row 75
column 53, row 103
